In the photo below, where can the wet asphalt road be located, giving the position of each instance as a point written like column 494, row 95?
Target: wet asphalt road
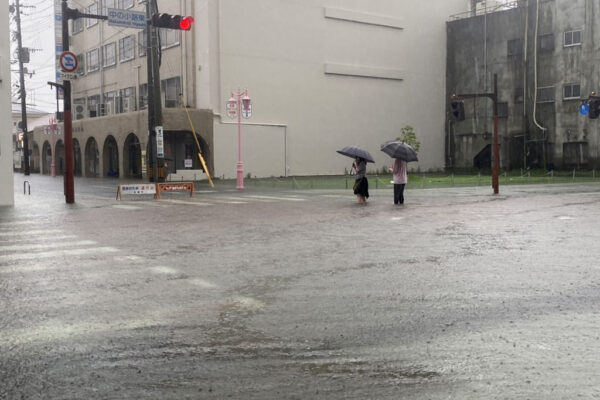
column 258, row 294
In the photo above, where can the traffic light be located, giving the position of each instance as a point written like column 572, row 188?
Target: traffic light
column 458, row 110
column 169, row 21
column 594, row 103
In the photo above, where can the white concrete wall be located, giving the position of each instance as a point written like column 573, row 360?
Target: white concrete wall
column 280, row 51
column 6, row 151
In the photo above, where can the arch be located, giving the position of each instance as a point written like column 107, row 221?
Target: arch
column 46, row 158
column 59, row 157
column 110, row 157
column 34, row 159
column 132, row 157
column 92, row 159
column 76, row 158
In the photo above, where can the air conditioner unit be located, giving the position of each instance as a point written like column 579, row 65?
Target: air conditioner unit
column 79, row 111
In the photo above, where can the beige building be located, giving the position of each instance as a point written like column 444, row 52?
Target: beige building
column 322, row 74
column 6, row 153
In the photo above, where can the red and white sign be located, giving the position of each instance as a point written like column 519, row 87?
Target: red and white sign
column 68, row 61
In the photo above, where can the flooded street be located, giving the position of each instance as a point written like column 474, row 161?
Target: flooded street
column 283, row 294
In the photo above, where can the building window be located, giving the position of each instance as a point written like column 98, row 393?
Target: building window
column 109, row 54
column 127, row 96
column 502, row 110
column 170, row 89
column 76, row 26
column 572, row 38
column 514, row 47
column 168, row 37
column 126, row 48
column 80, row 65
column 571, row 91
column 142, row 43
column 545, row 94
column 92, row 9
column 93, row 103
column 106, row 4
column 546, row 42
column 125, row 4
column 111, row 103
column 143, row 96
column 518, row 95
column 92, row 60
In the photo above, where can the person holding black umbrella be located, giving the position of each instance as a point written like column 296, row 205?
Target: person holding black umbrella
column 400, row 180
column 361, row 184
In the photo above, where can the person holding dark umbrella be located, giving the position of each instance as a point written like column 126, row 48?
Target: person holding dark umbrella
column 400, row 179
column 361, row 184
column 403, row 153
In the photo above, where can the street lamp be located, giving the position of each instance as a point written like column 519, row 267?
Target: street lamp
column 240, row 105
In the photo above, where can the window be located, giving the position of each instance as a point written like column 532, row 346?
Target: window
column 546, row 42
column 127, row 96
column 109, row 54
column 111, row 102
column 518, row 95
column 125, row 4
column 502, row 109
column 80, row 64
column 572, row 38
column 93, row 9
column 143, row 96
column 93, row 60
column 514, row 47
column 106, row 4
column 571, row 91
column 142, row 43
column 93, row 102
column 168, row 37
column 170, row 89
column 76, row 26
column 126, row 48
column 545, row 94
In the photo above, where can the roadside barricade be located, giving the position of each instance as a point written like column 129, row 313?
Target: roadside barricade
column 175, row 187
column 137, row 188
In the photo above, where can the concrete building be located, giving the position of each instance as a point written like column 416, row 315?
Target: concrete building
column 6, row 154
column 544, row 54
column 322, row 74
column 35, row 118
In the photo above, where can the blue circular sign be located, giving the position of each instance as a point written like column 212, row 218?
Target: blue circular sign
column 584, row 109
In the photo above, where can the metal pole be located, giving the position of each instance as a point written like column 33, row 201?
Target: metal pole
column 68, row 122
column 150, row 95
column 496, row 155
column 240, row 166
column 26, row 168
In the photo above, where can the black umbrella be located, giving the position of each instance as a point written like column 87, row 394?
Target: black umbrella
column 353, row 151
column 401, row 150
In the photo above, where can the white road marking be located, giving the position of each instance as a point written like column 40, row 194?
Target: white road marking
column 55, row 238
column 50, row 245
column 126, row 207
column 193, row 203
column 202, row 283
column 43, row 232
column 164, row 270
column 277, row 198
column 57, row 253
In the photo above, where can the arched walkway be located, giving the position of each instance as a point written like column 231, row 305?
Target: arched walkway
column 92, row 159
column 59, row 158
column 110, row 157
column 34, row 159
column 132, row 157
column 76, row 158
column 46, row 157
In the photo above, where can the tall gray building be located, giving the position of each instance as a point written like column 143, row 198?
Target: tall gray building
column 545, row 55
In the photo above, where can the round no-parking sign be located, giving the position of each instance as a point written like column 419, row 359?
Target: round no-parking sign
column 68, row 61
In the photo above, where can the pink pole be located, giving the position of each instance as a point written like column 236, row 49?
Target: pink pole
column 240, row 165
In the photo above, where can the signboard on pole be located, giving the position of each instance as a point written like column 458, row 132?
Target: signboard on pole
column 68, row 61
column 160, row 142
column 126, row 18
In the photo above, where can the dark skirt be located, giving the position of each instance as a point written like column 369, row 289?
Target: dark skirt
column 361, row 187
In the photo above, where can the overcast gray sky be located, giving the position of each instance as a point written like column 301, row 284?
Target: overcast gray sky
column 37, row 26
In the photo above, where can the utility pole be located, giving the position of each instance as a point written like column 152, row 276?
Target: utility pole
column 26, row 169
column 154, row 104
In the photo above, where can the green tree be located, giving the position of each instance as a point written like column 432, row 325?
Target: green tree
column 408, row 136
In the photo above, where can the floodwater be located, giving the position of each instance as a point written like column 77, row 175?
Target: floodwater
column 264, row 294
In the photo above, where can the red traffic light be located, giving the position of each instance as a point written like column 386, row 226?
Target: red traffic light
column 186, row 23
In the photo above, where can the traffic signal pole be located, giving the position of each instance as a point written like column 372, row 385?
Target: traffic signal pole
column 495, row 142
